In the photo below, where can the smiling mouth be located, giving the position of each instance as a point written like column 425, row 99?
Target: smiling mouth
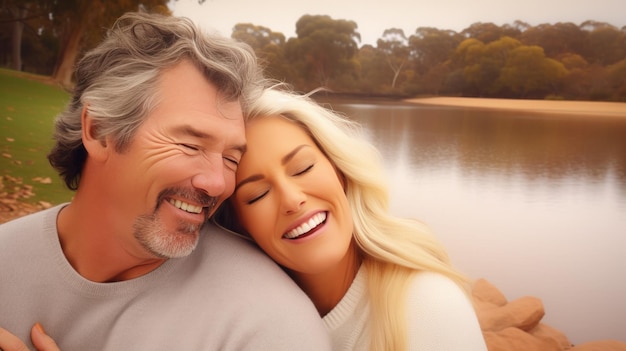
column 307, row 227
column 187, row 207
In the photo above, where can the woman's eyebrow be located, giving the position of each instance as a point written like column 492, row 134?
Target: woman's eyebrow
column 293, row 153
column 252, row 178
column 283, row 161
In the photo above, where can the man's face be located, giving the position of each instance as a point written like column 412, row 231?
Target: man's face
column 179, row 166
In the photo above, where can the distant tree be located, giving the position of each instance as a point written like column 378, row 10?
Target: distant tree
column 324, row 50
column 488, row 32
column 573, row 61
column 617, row 80
column 268, row 45
column 482, row 63
column 373, row 73
column 529, row 73
column 430, row 47
column 394, row 46
column 605, row 43
column 17, row 16
column 81, row 24
column 556, row 39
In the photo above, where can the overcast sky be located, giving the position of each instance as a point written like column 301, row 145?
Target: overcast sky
column 374, row 16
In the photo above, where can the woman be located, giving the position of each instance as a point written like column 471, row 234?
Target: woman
column 311, row 193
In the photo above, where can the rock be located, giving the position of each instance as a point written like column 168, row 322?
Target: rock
column 524, row 313
column 514, row 325
column 513, row 339
column 602, row 345
column 548, row 334
column 484, row 291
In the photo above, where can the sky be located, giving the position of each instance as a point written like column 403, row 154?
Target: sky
column 374, row 16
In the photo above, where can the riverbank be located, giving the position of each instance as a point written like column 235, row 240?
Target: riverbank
column 601, row 108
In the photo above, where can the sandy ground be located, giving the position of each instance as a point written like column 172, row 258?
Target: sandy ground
column 617, row 109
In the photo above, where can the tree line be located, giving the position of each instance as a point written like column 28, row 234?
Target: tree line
column 564, row 60
column 547, row 61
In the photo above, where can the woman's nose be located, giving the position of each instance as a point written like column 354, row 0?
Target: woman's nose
column 292, row 198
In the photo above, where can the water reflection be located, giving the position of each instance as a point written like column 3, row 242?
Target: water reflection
column 510, row 144
column 535, row 203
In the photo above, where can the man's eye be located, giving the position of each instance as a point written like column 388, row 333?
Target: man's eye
column 231, row 163
column 190, row 147
column 232, row 160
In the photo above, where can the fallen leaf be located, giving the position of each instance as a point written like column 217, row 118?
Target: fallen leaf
column 46, row 180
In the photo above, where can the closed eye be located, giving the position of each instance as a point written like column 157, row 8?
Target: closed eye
column 190, row 147
column 250, row 202
column 304, row 170
column 233, row 163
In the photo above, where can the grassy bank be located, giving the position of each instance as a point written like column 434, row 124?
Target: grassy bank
column 27, row 110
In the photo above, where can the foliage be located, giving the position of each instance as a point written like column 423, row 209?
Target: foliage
column 580, row 61
column 77, row 25
column 323, row 52
column 28, row 108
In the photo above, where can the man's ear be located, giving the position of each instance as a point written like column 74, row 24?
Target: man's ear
column 96, row 147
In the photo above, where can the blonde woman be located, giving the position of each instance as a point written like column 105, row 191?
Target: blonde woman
column 311, row 193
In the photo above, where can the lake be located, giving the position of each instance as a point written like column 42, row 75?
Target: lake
column 534, row 203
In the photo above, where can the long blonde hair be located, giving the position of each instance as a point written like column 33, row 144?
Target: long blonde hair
column 393, row 249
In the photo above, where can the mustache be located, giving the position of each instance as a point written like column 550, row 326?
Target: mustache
column 192, row 195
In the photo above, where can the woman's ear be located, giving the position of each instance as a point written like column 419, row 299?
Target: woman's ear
column 96, row 146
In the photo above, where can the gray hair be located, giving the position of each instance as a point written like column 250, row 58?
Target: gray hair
column 117, row 81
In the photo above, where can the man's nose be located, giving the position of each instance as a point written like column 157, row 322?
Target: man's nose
column 210, row 177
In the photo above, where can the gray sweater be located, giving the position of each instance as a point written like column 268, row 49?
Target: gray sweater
column 227, row 295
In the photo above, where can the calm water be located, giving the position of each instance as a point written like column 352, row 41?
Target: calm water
column 536, row 204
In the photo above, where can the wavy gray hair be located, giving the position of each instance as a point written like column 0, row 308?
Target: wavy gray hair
column 117, row 81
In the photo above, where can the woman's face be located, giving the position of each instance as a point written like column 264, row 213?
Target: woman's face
column 290, row 198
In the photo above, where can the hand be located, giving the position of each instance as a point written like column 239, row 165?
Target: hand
column 42, row 342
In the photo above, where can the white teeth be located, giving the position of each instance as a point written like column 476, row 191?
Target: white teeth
column 185, row 206
column 306, row 226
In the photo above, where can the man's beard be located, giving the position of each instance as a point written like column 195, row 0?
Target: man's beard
column 155, row 237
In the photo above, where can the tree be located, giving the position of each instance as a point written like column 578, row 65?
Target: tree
column 482, row 63
column 488, row 32
column 617, row 80
column 268, row 45
column 394, row 46
column 529, row 73
column 81, row 24
column 605, row 44
column 556, row 39
column 373, row 73
column 431, row 47
column 324, row 48
column 21, row 15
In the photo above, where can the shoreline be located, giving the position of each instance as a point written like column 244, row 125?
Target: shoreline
column 599, row 108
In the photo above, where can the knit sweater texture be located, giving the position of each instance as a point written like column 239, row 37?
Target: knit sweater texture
column 440, row 316
column 226, row 295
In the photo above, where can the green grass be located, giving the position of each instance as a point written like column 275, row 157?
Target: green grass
column 27, row 110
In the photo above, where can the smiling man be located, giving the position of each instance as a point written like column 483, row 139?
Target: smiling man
column 150, row 142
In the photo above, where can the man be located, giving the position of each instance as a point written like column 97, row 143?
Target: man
column 150, row 142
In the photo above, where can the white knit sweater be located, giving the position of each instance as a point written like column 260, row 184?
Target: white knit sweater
column 441, row 316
